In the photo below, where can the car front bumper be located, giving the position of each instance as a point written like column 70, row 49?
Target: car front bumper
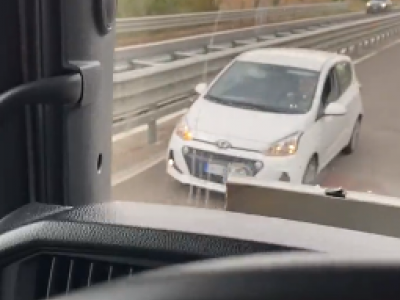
column 186, row 161
column 376, row 9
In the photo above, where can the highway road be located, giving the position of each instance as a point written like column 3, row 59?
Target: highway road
column 375, row 167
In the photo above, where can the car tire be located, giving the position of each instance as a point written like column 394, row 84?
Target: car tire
column 311, row 172
column 352, row 145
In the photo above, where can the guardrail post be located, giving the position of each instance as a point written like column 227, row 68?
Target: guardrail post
column 379, row 39
column 364, row 46
column 357, row 49
column 152, row 127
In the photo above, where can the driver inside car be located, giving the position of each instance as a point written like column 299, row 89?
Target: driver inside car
column 302, row 92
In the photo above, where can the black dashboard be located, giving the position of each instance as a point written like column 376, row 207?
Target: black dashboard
column 50, row 250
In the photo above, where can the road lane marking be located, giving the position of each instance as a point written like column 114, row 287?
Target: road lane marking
column 123, row 176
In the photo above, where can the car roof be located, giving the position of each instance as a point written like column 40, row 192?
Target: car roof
column 294, row 57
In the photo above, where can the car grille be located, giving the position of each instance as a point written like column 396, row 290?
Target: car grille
column 375, row 6
column 196, row 160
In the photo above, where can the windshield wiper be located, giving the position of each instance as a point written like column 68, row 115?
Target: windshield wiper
column 227, row 102
column 257, row 107
column 233, row 103
column 216, row 99
column 246, row 105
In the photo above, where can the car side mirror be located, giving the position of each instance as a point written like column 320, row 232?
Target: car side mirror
column 200, row 88
column 335, row 109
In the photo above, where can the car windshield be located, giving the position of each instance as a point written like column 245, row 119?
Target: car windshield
column 179, row 135
column 265, row 87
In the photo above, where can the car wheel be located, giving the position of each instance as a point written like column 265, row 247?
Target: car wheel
column 352, row 145
column 311, row 172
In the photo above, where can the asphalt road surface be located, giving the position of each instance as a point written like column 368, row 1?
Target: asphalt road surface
column 374, row 167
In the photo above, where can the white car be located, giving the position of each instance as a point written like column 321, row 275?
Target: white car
column 275, row 114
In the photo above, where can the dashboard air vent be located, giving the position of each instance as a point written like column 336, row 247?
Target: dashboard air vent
column 58, row 274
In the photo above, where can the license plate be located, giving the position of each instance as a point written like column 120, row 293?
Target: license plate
column 215, row 169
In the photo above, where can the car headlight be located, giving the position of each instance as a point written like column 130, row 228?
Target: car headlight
column 286, row 146
column 183, row 131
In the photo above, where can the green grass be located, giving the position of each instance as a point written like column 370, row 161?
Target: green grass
column 138, row 8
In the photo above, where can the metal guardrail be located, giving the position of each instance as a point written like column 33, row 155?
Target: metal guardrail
column 143, row 96
column 139, row 24
column 140, row 56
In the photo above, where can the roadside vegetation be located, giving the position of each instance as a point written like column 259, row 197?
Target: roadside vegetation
column 138, row 8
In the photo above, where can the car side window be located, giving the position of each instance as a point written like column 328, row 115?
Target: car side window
column 345, row 75
column 330, row 92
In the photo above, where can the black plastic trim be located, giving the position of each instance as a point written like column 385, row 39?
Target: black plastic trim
column 59, row 90
column 122, row 240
